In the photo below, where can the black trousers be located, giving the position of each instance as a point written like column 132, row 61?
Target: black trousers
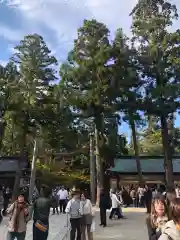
column 55, row 208
column 148, row 206
column 5, row 206
column 16, row 235
column 1, row 218
column 103, row 216
column 62, row 205
column 142, row 201
column 38, row 234
column 75, row 227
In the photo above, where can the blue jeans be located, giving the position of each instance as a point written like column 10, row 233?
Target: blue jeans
column 115, row 211
column 16, row 235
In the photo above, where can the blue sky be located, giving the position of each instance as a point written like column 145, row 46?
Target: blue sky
column 58, row 20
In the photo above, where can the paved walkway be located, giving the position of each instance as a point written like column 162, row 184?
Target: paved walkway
column 131, row 228
column 58, row 228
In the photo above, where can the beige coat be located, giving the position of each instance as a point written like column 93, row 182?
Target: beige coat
column 171, row 231
column 22, row 220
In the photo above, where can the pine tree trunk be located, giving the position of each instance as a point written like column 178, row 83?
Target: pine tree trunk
column 150, row 124
column 170, row 124
column 99, row 167
column 2, row 131
column 33, row 172
column 23, row 155
column 168, row 167
column 136, row 150
column 17, row 181
column 92, row 171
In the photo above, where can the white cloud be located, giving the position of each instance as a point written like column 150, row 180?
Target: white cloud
column 3, row 63
column 63, row 17
column 10, row 34
column 58, row 20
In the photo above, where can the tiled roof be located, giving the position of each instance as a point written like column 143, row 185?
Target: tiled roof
column 10, row 165
column 148, row 165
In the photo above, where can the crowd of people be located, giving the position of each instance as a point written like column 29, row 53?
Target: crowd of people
column 163, row 208
column 5, row 196
column 74, row 203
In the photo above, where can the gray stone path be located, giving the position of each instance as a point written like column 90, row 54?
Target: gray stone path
column 131, row 228
column 58, row 228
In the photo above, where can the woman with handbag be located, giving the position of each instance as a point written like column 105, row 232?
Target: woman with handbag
column 87, row 216
column 41, row 215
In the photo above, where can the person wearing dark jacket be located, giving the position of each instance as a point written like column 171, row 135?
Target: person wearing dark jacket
column 41, row 215
column 104, row 204
column 1, row 206
column 55, row 202
column 6, row 196
column 148, row 199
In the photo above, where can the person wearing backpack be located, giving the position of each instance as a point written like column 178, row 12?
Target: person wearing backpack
column 171, row 231
column 74, row 210
column 19, row 216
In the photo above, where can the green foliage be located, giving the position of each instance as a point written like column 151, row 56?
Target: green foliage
column 87, row 84
column 102, row 83
column 158, row 58
column 158, row 54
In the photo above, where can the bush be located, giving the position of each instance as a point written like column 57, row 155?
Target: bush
column 52, row 179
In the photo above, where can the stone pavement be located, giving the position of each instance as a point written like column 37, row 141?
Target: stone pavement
column 131, row 228
column 58, row 228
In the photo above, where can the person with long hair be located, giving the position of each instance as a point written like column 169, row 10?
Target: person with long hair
column 171, row 230
column 158, row 217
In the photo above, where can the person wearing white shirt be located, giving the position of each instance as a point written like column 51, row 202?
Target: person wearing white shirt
column 75, row 211
column 141, row 192
column 177, row 192
column 63, row 196
column 115, row 206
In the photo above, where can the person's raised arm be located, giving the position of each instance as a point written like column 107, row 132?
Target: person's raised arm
column 117, row 200
column 10, row 209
